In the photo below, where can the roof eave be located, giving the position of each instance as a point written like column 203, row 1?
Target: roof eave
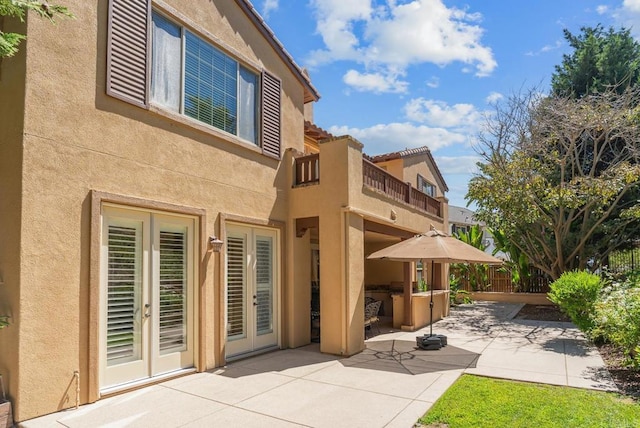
column 310, row 92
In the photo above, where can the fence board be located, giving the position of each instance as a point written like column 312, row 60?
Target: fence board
column 500, row 280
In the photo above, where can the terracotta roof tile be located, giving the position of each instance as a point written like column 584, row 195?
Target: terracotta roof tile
column 424, row 150
column 311, row 93
column 314, row 131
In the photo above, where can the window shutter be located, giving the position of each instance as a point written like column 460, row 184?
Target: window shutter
column 173, row 291
column 236, row 278
column 264, row 285
column 271, row 87
column 127, row 50
column 123, row 293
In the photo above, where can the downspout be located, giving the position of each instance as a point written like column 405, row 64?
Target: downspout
column 345, row 280
column 76, row 375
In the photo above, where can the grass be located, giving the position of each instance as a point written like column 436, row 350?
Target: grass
column 475, row 401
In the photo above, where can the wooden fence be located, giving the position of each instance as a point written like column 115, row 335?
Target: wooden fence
column 500, row 280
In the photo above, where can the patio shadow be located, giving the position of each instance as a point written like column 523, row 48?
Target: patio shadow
column 402, row 356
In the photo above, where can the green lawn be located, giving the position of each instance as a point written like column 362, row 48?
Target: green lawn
column 475, row 401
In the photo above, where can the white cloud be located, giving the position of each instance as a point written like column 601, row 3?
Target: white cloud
column 602, row 9
column 390, row 38
column 461, row 117
column 546, row 48
column 434, row 82
column 268, row 7
column 631, row 5
column 494, row 97
column 458, row 164
column 392, row 137
column 628, row 15
column 375, row 82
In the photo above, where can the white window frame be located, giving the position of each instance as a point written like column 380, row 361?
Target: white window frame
column 240, row 66
column 425, row 186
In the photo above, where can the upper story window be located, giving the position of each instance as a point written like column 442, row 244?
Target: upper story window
column 189, row 76
column 202, row 82
column 426, row 187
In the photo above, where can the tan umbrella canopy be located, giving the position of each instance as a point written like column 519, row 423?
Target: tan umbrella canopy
column 434, row 246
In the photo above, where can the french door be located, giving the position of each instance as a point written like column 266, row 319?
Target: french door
column 147, row 301
column 251, row 289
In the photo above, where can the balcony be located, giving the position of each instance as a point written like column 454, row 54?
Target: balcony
column 307, row 172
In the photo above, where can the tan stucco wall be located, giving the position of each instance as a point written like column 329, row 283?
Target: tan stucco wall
column 420, row 310
column 12, row 71
column 525, row 298
column 421, row 164
column 381, row 272
column 394, row 167
column 342, row 204
column 77, row 139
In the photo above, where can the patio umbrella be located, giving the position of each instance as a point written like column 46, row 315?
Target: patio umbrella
column 434, row 246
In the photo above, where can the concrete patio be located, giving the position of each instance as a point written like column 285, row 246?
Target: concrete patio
column 390, row 384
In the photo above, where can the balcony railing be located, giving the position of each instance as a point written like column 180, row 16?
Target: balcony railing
column 308, row 172
column 380, row 179
column 308, row 169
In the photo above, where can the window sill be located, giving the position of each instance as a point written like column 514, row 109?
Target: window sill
column 186, row 121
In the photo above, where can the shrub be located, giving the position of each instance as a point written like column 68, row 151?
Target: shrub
column 576, row 293
column 457, row 294
column 617, row 318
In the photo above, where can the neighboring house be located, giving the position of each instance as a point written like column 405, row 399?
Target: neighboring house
column 462, row 219
column 137, row 137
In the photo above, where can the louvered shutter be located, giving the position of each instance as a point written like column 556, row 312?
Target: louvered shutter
column 271, row 87
column 264, row 285
column 236, row 286
column 124, row 293
column 173, row 291
column 127, row 50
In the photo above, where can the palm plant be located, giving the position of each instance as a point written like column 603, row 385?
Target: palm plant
column 518, row 263
column 478, row 274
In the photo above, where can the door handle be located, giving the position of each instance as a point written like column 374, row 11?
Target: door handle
column 255, row 300
column 147, row 312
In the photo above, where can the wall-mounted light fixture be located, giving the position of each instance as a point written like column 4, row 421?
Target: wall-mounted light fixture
column 216, row 244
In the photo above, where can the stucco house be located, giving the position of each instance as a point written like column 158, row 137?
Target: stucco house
column 135, row 140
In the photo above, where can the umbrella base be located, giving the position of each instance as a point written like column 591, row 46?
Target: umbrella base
column 431, row 342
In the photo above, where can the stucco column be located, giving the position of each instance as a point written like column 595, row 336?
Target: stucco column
column 341, row 234
column 298, row 299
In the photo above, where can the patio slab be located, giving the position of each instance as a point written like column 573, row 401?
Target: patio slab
column 390, row 384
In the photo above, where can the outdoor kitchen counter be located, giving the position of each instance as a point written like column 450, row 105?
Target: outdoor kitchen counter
column 420, row 306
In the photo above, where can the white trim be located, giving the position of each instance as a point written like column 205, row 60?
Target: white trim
column 154, row 365
column 277, row 286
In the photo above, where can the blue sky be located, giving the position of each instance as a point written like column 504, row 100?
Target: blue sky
column 396, row 74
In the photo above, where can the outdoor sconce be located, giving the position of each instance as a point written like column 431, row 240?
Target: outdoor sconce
column 216, row 244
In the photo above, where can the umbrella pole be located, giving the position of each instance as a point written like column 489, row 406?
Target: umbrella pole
column 431, row 302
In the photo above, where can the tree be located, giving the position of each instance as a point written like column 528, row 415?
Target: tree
column 560, row 176
column 18, row 8
column 518, row 262
column 601, row 60
column 478, row 274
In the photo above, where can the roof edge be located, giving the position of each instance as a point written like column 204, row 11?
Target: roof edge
column 310, row 92
column 407, row 153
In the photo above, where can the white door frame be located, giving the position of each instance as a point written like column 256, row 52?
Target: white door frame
column 151, row 363
column 250, row 342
